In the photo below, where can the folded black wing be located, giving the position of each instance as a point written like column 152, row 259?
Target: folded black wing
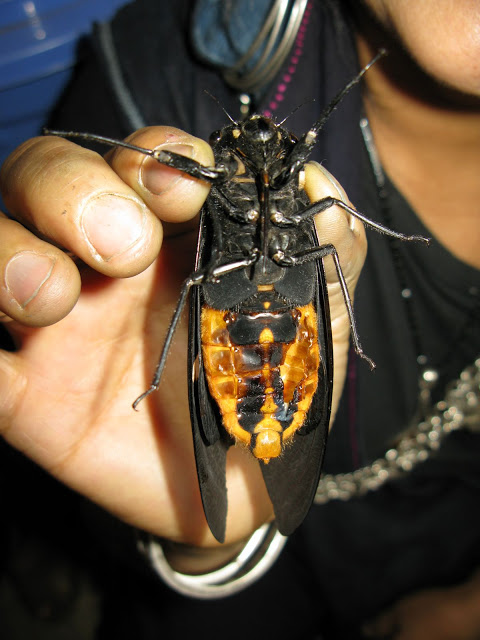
column 210, row 440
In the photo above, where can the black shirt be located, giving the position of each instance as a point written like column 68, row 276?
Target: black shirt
column 349, row 559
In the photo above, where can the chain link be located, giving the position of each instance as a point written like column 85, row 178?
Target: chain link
column 460, row 409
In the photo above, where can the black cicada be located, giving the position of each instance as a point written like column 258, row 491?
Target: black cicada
column 260, row 365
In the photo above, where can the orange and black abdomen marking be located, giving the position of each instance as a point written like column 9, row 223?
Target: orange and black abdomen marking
column 262, row 370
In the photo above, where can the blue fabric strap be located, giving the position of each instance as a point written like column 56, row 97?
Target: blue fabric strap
column 224, row 30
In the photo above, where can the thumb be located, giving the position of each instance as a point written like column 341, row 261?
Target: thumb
column 346, row 233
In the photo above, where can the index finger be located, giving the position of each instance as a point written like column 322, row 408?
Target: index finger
column 173, row 195
column 72, row 197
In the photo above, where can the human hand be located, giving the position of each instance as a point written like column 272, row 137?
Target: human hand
column 89, row 330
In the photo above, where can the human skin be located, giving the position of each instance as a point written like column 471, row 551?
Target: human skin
column 140, row 466
column 89, row 333
column 423, row 104
column 443, row 37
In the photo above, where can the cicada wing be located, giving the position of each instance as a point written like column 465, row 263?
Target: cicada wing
column 210, row 446
column 292, row 478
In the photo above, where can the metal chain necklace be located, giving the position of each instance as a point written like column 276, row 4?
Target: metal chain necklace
column 459, row 409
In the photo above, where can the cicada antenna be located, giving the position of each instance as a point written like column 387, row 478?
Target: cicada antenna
column 215, row 99
column 282, row 122
column 327, row 112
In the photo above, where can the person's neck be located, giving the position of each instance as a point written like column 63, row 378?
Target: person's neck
column 429, row 146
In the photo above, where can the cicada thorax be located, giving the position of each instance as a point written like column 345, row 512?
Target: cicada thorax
column 261, row 363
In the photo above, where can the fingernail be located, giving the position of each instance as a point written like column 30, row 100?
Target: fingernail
column 112, row 224
column 158, row 178
column 25, row 274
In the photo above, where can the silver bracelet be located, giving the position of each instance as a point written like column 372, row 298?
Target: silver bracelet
column 254, row 560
